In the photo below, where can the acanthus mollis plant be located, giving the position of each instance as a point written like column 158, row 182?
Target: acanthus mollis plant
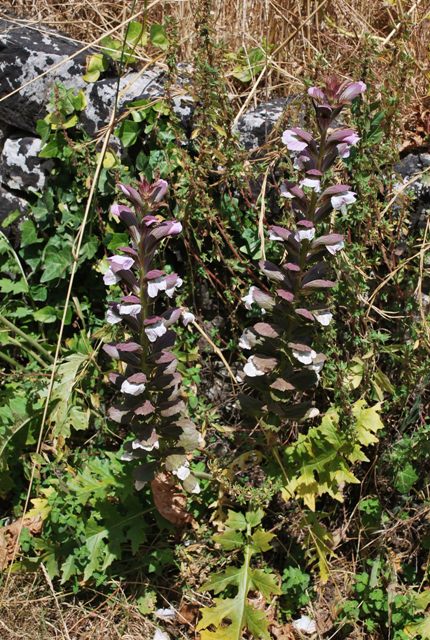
column 151, row 404
column 284, row 367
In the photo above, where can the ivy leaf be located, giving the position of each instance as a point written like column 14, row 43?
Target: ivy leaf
column 405, row 478
column 158, row 36
column 56, row 263
column 128, row 132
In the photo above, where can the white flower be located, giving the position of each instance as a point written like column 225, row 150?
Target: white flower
column 292, row 141
column 247, row 340
column 117, row 263
column 312, row 183
column 317, row 366
column 130, row 309
column 138, row 444
column 251, row 370
column 305, row 234
column 110, row 277
column 183, row 471
column 274, row 236
column 132, row 389
column 305, row 357
column 196, row 488
column 334, row 248
column 171, row 290
column 340, row 202
column 187, row 317
column 312, row 413
column 112, row 317
column 285, row 193
column 305, row 624
column 155, row 285
column 300, row 162
column 127, row 456
column 249, row 298
column 155, row 330
column 324, row 317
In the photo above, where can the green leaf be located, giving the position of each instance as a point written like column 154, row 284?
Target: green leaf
column 46, row 315
column 405, row 478
column 254, row 518
column 13, row 286
column 96, row 64
column 263, row 582
column 158, row 36
column 28, row 233
column 236, row 521
column 229, row 539
column 421, row 629
column 56, row 263
column 128, row 132
column 261, row 540
column 135, row 34
column 68, row 569
column 221, row 581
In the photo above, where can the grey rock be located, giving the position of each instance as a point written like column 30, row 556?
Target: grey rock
column 255, row 125
column 132, row 86
column 10, row 202
column 24, row 54
column 409, row 167
column 20, row 166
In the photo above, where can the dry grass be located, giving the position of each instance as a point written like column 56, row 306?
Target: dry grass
column 31, row 611
column 333, row 32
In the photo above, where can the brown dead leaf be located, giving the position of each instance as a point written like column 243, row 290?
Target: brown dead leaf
column 170, row 503
column 9, row 536
column 283, row 632
column 188, row 613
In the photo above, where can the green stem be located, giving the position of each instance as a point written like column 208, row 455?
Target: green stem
column 13, row 363
column 28, row 351
column 27, row 338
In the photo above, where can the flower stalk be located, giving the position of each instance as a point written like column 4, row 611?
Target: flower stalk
column 284, row 368
column 151, row 404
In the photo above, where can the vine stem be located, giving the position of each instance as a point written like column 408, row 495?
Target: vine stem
column 27, row 338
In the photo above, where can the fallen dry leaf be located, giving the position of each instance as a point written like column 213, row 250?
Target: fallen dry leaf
column 170, row 503
column 9, row 536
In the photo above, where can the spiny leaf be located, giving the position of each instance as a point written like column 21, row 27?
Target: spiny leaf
column 264, row 582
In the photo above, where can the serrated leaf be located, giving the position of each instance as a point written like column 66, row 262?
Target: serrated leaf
column 236, row 521
column 220, row 581
column 264, row 582
column 254, row 518
column 261, row 540
column 421, row 629
column 229, row 539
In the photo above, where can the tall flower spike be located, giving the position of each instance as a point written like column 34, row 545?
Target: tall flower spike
column 150, row 401
column 283, row 367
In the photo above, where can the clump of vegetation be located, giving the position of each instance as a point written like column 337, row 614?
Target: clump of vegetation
column 222, row 495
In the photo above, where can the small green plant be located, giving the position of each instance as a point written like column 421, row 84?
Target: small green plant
column 296, row 590
column 232, row 615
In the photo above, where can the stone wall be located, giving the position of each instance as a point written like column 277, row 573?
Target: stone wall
column 32, row 60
